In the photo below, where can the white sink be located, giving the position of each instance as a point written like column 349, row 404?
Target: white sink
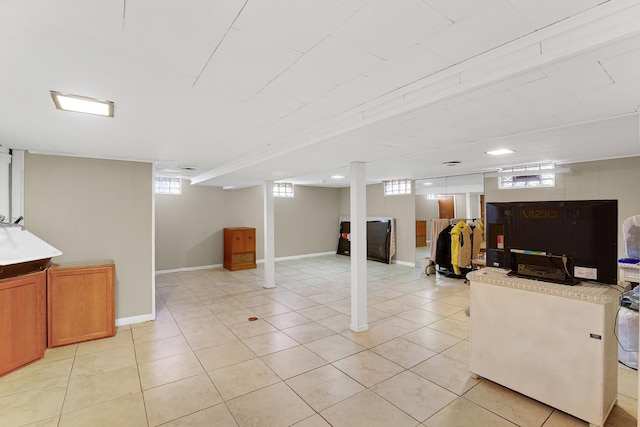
column 20, row 246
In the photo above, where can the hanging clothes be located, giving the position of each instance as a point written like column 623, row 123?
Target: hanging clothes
column 466, row 246
column 443, row 248
column 455, row 245
column 437, row 225
column 478, row 239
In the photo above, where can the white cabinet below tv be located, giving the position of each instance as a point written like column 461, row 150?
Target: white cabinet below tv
column 551, row 342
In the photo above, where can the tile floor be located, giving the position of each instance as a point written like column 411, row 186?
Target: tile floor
column 202, row 363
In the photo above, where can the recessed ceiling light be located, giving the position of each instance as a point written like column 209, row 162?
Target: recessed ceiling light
column 427, row 183
column 500, row 152
column 337, row 176
column 82, row 104
column 452, row 163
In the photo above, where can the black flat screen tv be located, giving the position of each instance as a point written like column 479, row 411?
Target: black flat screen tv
column 378, row 240
column 558, row 241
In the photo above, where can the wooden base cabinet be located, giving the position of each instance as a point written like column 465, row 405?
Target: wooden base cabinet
column 239, row 248
column 22, row 320
column 80, row 302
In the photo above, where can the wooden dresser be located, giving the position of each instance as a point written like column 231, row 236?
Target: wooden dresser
column 239, row 248
column 80, row 302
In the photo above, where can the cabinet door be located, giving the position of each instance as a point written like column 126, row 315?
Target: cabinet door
column 421, row 233
column 81, row 304
column 237, row 241
column 22, row 320
column 249, row 238
column 243, row 240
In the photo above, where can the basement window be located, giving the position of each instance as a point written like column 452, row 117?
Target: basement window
column 527, row 176
column 283, row 189
column 168, row 186
column 395, row 187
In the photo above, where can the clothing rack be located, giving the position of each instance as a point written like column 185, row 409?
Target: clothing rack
column 456, row 220
column 445, row 250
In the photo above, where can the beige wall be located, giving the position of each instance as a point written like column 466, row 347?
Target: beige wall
column 186, row 233
column 474, row 206
column 426, row 209
column 460, row 201
column 308, row 223
column 243, row 208
column 189, row 228
column 402, row 208
column 93, row 210
column 617, row 179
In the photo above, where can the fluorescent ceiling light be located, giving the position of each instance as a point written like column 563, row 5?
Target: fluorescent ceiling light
column 82, row 104
column 337, row 176
column 500, row 152
column 427, row 183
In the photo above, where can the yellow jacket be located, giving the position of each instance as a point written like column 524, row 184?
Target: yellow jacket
column 464, row 254
column 478, row 238
column 456, row 241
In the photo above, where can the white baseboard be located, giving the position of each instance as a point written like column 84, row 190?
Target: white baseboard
column 260, row 261
column 287, row 258
column 406, row 263
column 200, row 267
column 135, row 319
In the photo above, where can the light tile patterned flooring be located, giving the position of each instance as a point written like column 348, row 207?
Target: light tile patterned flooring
column 202, row 363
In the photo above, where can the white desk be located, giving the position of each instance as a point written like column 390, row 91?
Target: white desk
column 551, row 342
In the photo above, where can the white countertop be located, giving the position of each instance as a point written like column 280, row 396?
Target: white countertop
column 585, row 291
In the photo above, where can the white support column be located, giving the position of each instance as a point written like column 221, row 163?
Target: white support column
column 269, row 237
column 358, row 250
column 468, row 201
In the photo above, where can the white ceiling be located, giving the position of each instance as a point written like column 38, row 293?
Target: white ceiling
column 248, row 91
